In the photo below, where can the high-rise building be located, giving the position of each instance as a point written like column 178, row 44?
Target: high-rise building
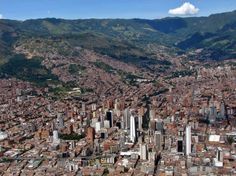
column 151, row 156
column 212, row 114
column 133, row 130
column 212, row 111
column 107, row 124
column 152, row 114
column 109, row 117
column 143, row 152
column 222, row 110
column 158, row 140
column 102, row 118
column 188, row 140
column 159, row 125
column 219, row 160
column 140, row 122
column 126, row 116
column 180, row 145
column 60, row 121
column 219, row 154
column 56, row 139
column 97, row 126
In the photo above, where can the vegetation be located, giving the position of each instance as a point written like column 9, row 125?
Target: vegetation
column 230, row 140
column 27, row 69
column 72, row 136
column 6, row 160
column 104, row 66
column 122, row 39
column 86, row 90
column 181, row 73
column 75, row 69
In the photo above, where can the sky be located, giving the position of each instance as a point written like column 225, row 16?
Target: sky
column 83, row 9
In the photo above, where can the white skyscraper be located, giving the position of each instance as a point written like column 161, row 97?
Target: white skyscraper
column 127, row 115
column 188, row 139
column 143, row 152
column 56, row 139
column 133, row 134
column 140, row 122
column 97, row 126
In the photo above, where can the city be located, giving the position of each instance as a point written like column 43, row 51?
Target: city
column 185, row 130
column 91, row 92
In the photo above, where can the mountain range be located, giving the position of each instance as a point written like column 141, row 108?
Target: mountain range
column 139, row 42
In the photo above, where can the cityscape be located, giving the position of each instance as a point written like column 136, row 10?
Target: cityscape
column 111, row 97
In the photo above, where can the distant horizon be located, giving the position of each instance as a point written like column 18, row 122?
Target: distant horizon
column 107, row 9
column 58, row 18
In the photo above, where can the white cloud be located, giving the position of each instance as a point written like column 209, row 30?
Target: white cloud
column 1, row 16
column 186, row 9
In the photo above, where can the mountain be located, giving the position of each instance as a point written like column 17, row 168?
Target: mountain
column 143, row 44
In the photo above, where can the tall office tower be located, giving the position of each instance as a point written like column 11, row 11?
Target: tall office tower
column 219, row 154
column 213, row 114
column 60, row 121
column 143, row 152
column 188, row 140
column 152, row 114
column 152, row 125
column 97, row 126
column 102, row 118
column 222, row 110
column 140, row 122
column 180, row 145
column 127, row 115
column 158, row 140
column 133, row 132
column 109, row 117
column 159, row 125
column 152, row 156
column 219, row 160
column 56, row 139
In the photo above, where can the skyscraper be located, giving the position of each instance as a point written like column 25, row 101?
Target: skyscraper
column 127, row 115
column 213, row 114
column 188, row 140
column 133, row 132
column 158, row 140
column 109, row 117
column 180, row 145
column 56, row 139
column 60, row 121
column 222, row 110
column 140, row 122
column 143, row 152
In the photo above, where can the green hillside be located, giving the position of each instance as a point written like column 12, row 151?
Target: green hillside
column 127, row 40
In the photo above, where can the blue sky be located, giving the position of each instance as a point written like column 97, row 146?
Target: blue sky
column 76, row 9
